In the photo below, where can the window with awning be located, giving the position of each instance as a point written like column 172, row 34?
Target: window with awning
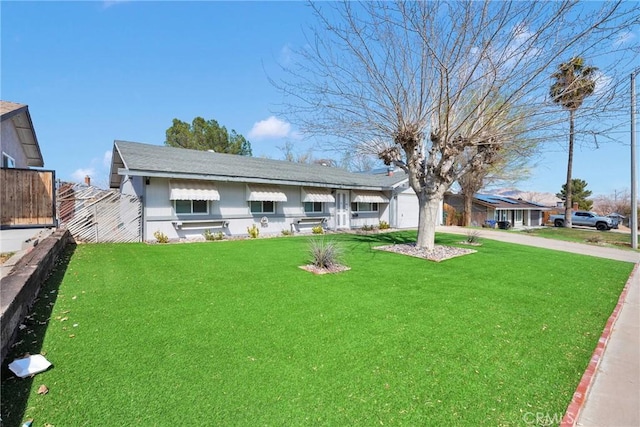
column 368, row 197
column 318, row 195
column 193, row 190
column 265, row 193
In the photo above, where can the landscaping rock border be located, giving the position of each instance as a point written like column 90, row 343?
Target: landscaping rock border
column 21, row 286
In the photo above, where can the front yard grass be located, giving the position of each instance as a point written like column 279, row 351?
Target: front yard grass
column 234, row 333
column 584, row 235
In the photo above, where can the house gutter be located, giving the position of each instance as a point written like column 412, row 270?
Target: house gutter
column 123, row 171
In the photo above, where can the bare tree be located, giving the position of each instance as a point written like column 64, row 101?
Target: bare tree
column 618, row 202
column 510, row 166
column 399, row 77
column 290, row 155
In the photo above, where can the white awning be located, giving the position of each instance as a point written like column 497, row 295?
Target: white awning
column 265, row 193
column 317, row 195
column 193, row 190
column 368, row 197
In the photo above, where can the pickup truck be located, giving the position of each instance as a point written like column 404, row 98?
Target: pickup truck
column 586, row 219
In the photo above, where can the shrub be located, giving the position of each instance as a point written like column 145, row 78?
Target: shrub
column 253, row 231
column 317, row 230
column 208, row 235
column 367, row 227
column 384, row 225
column 473, row 237
column 161, row 237
column 286, row 232
column 324, row 253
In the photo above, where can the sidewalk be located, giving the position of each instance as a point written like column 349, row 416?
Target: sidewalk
column 613, row 399
column 609, row 393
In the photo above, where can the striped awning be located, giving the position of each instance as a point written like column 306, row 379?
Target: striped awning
column 317, row 195
column 265, row 193
column 368, row 197
column 193, row 190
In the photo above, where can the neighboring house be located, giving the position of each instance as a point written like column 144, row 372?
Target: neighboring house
column 18, row 141
column 26, row 196
column 520, row 213
column 185, row 192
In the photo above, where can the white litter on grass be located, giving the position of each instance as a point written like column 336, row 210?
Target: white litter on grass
column 29, row 365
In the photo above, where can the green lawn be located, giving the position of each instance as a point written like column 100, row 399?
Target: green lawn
column 584, row 235
column 234, row 333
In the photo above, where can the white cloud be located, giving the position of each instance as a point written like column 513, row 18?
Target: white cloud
column 79, row 174
column 109, row 3
column 106, row 159
column 603, row 82
column 624, row 38
column 286, row 54
column 270, row 128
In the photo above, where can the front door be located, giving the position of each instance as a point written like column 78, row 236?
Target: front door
column 342, row 209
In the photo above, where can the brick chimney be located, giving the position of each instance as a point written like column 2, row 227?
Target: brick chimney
column 87, row 180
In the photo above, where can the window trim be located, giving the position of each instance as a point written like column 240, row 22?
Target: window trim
column 313, row 206
column 357, row 206
column 10, row 161
column 192, row 212
column 262, row 211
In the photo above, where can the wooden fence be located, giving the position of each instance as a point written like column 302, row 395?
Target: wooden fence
column 27, row 198
column 93, row 215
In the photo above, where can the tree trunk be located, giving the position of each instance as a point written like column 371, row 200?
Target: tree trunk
column 468, row 209
column 568, row 196
column 427, row 220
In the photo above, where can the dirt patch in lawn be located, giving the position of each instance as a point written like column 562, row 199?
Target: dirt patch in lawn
column 337, row 268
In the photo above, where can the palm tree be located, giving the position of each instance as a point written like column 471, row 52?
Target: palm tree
column 574, row 81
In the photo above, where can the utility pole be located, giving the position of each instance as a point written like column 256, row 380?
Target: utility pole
column 634, row 180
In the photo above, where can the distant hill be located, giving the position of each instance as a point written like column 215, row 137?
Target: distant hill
column 546, row 199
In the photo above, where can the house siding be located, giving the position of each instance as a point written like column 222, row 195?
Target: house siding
column 10, row 144
column 159, row 213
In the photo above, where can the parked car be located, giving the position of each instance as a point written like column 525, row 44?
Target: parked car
column 586, row 219
column 616, row 218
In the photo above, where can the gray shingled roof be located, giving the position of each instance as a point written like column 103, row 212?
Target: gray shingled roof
column 137, row 159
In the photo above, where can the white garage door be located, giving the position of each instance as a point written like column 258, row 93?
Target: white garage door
column 407, row 214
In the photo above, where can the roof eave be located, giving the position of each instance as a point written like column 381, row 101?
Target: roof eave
column 226, row 178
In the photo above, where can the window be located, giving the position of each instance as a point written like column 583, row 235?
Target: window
column 518, row 216
column 8, row 161
column 364, row 207
column 191, row 206
column 502, row 215
column 262, row 207
column 310, row 207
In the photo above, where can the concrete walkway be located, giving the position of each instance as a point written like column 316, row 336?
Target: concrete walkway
column 609, row 393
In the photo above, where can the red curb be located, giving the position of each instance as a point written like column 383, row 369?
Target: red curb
column 584, row 386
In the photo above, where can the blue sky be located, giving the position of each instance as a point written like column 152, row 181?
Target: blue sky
column 93, row 72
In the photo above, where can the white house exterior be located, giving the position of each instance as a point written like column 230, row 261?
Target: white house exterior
column 185, row 192
column 20, row 151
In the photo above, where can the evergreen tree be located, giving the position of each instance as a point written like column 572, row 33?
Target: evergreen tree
column 206, row 135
